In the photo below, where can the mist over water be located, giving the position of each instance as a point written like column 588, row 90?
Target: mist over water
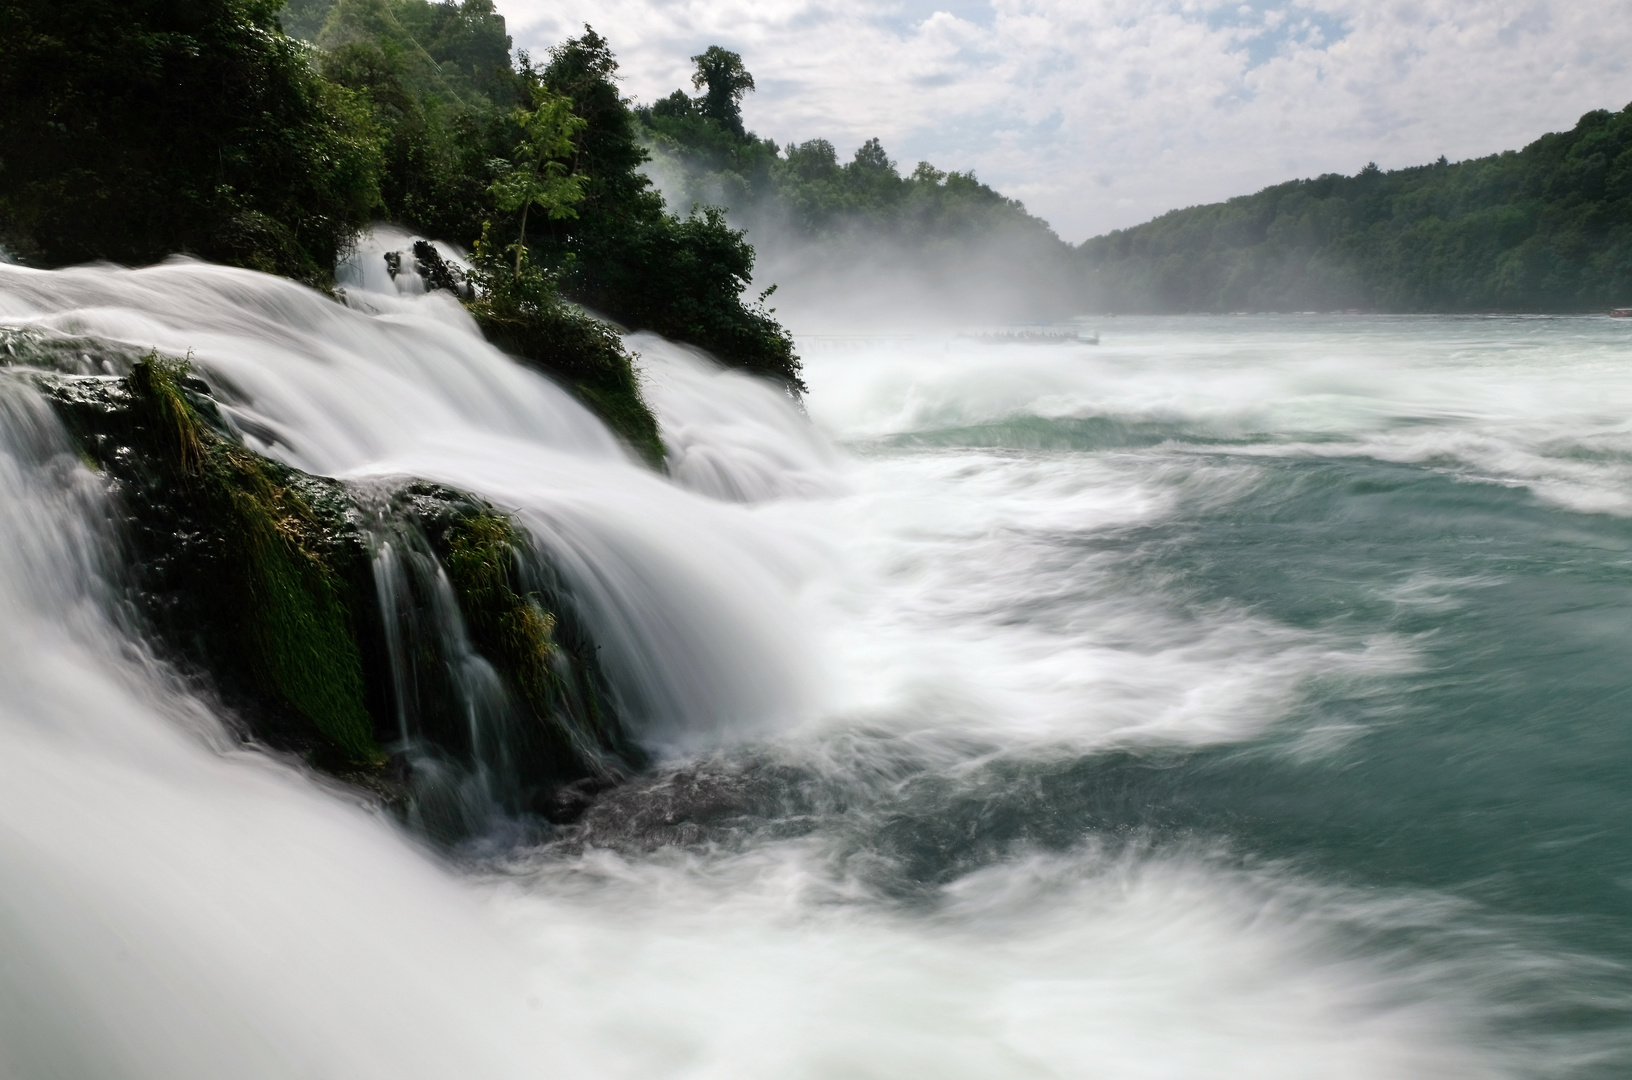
column 871, row 272
column 1241, row 697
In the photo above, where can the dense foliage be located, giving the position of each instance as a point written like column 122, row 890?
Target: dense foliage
column 132, row 129
column 1546, row 228
column 460, row 129
column 625, row 255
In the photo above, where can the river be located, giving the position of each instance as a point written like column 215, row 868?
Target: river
column 1240, row 697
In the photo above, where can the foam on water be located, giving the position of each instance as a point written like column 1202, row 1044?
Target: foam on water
column 175, row 908
column 728, row 434
column 1091, row 963
column 1000, row 598
column 1541, row 403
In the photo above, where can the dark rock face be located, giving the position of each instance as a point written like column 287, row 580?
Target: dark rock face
column 241, row 566
column 433, row 269
column 385, row 632
column 439, row 274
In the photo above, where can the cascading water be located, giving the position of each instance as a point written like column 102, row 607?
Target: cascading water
column 1216, row 702
column 174, row 906
column 684, row 603
column 423, row 627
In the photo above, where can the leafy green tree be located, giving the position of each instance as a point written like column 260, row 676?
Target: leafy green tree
column 859, row 210
column 725, row 82
column 466, row 39
column 539, row 174
column 626, row 256
column 304, row 18
column 443, row 137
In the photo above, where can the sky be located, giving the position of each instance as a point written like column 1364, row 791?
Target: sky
column 1100, row 115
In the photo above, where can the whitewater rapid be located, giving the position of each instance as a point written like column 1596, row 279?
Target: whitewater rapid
column 975, row 635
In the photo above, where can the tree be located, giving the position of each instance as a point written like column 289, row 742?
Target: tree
column 626, row 256
column 539, row 174
column 132, row 131
column 1546, row 228
column 721, row 71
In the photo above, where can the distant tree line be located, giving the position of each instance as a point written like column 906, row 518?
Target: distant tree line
column 850, row 211
column 806, row 182
column 1546, row 228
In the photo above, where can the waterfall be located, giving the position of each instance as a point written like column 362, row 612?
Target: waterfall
column 692, row 615
column 179, row 906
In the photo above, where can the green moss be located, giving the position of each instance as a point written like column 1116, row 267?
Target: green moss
column 516, row 631
column 261, row 578
column 299, row 630
column 274, row 588
column 512, row 629
column 583, row 351
column 589, row 357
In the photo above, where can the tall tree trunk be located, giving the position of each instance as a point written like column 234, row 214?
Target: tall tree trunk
column 521, row 241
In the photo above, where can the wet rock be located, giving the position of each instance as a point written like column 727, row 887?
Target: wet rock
column 435, row 271
column 441, row 274
column 722, row 800
column 264, row 581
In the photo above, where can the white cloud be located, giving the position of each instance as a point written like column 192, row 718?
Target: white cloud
column 1103, row 114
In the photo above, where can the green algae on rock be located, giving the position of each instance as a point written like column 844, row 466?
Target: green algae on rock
column 240, row 567
column 263, row 579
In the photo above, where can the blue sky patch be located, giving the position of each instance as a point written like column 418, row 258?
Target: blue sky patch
column 910, row 14
column 1267, row 29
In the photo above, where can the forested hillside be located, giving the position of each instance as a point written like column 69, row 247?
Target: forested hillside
column 1546, row 228
column 832, row 223
column 805, row 184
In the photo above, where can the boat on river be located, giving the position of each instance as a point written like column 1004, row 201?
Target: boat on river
column 1038, row 336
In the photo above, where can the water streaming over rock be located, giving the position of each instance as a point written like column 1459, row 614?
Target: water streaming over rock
column 1239, row 698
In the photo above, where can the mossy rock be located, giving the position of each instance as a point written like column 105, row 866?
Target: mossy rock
column 587, row 355
column 261, row 578
column 526, row 317
column 521, row 620
column 235, row 560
